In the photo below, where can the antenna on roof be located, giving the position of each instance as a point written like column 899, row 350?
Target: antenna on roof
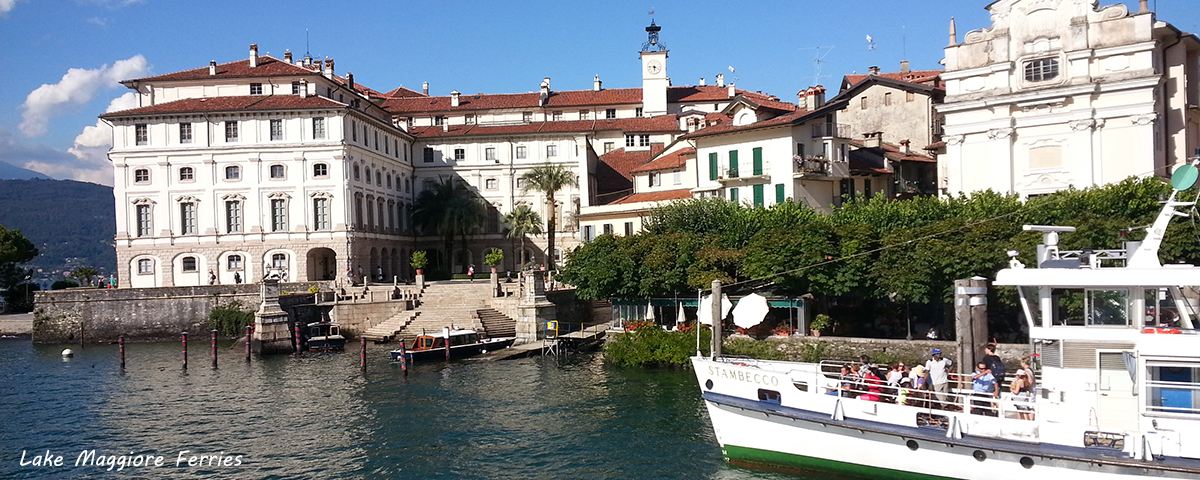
column 307, row 51
column 818, row 61
column 870, row 43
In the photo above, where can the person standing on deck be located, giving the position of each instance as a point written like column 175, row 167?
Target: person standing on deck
column 938, row 369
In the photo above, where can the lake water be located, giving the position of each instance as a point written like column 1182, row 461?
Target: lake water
column 320, row 416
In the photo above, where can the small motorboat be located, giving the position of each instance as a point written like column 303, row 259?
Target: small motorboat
column 463, row 343
column 325, row 336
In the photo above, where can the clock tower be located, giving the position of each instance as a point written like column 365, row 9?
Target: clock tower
column 654, row 74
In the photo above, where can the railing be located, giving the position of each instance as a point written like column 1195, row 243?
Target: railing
column 834, row 130
column 816, row 166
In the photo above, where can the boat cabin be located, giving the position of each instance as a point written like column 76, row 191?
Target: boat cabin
column 438, row 340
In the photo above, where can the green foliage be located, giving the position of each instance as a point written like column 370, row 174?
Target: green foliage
column 84, row 275
column 448, row 209
column 748, row 347
column 494, row 257
column 19, row 297
column 653, row 347
column 72, row 223
column 813, row 352
column 314, row 289
column 548, row 179
column 820, row 322
column 64, row 284
column 230, row 319
column 419, row 259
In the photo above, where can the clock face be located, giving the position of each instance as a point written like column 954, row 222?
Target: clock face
column 653, row 67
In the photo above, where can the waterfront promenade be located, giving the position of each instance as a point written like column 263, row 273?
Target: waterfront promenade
column 16, row 324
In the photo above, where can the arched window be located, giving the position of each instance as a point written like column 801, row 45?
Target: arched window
column 145, row 266
column 378, row 177
column 279, row 260
column 277, row 171
column 186, row 174
column 356, row 174
column 141, row 175
column 233, row 172
column 1041, row 70
column 189, row 264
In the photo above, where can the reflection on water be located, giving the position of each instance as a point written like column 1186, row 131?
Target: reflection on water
column 319, row 416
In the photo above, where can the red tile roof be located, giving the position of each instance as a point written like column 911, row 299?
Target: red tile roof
column 654, row 197
column 931, row 78
column 268, row 66
column 409, row 105
column 401, row 92
column 674, row 159
column 893, row 152
column 726, row 125
column 623, row 162
column 223, row 104
column 659, row 124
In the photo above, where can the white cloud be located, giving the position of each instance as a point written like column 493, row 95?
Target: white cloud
column 6, row 5
column 76, row 88
column 95, row 20
column 91, row 147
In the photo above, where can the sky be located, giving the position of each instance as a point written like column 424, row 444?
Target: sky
column 63, row 59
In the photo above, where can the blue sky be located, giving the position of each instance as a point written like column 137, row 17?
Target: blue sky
column 62, row 58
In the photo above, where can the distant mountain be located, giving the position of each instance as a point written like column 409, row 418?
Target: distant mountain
column 71, row 223
column 13, row 172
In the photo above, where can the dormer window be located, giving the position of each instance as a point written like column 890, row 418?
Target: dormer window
column 1041, row 70
column 439, row 120
column 256, row 89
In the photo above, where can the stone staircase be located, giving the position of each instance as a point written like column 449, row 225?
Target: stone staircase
column 496, row 324
column 448, row 303
column 387, row 330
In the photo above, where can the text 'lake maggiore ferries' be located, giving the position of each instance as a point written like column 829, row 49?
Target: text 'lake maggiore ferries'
column 1117, row 397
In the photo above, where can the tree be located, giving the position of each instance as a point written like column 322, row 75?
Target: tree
column 523, row 221
column 549, row 179
column 84, row 275
column 448, row 209
column 15, row 249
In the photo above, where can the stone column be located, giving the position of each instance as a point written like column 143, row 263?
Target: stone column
column 534, row 309
column 495, row 282
column 271, row 332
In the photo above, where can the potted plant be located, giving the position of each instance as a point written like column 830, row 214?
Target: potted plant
column 419, row 260
column 493, row 258
column 821, row 322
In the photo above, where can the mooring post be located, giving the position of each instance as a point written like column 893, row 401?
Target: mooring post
column 248, row 344
column 362, row 353
column 121, row 347
column 403, row 360
column 214, row 348
column 298, row 341
column 184, row 336
column 446, row 333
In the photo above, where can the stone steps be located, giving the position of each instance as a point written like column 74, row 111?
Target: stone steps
column 496, row 324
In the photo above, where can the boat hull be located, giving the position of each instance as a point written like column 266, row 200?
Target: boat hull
column 457, row 351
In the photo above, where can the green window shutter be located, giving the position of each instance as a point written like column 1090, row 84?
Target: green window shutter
column 712, row 166
column 758, row 195
column 758, row 166
column 733, row 195
column 733, row 164
column 780, row 196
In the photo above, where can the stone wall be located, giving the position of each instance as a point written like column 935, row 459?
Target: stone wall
column 141, row 314
column 882, row 350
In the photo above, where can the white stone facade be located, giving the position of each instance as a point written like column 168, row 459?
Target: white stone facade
column 1059, row 93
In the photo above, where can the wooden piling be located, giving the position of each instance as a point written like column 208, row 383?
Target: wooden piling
column 121, row 348
column 214, row 347
column 184, row 337
column 362, row 354
column 717, row 317
column 248, row 343
column 298, row 341
column 403, row 360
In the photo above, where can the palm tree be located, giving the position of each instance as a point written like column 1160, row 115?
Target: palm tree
column 523, row 221
column 549, row 179
column 449, row 208
column 85, row 274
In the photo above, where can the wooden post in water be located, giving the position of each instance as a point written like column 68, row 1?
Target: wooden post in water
column 214, row 348
column 970, row 321
column 403, row 360
column 247, row 344
column 716, row 318
column 184, row 336
column 297, row 335
column 446, row 333
column 362, row 354
column 121, row 347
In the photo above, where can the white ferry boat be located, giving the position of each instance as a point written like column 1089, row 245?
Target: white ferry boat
column 1118, row 393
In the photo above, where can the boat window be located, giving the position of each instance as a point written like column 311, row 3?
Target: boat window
column 472, row 338
column 769, row 396
column 801, row 386
column 1108, row 308
column 439, row 343
column 1161, row 309
column 1068, row 306
column 1173, row 388
column 1031, row 304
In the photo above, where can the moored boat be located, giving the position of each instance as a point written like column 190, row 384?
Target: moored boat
column 325, row 336
column 1118, row 393
column 450, row 343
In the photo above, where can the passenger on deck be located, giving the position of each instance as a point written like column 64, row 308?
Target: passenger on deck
column 939, row 369
column 918, row 394
column 1022, row 395
column 847, row 382
column 983, row 385
column 874, row 386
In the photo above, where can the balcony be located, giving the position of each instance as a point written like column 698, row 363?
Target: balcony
column 819, row 167
column 744, row 176
column 830, row 130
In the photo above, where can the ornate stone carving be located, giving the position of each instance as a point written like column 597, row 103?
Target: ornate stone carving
column 143, row 201
column 320, row 195
column 187, row 199
column 1000, row 133
column 1085, row 124
column 1143, row 120
column 953, row 140
column 233, row 196
column 282, row 195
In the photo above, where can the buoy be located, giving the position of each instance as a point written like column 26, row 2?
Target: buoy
column 68, row 353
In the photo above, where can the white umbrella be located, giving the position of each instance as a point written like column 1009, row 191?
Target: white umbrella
column 681, row 318
column 750, row 310
column 706, row 308
column 649, row 311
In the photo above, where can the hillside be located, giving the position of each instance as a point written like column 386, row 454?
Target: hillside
column 71, row 223
column 13, row 172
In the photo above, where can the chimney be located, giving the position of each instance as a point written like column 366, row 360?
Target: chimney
column 287, row 56
column 874, row 70
column 818, row 97
column 802, row 99
column 212, row 67
column 1143, row 8
column 308, row 61
column 350, row 80
column 445, row 125
column 873, row 140
column 732, row 91
column 545, row 92
column 904, row 66
column 454, row 98
column 303, row 88
column 954, row 34
column 546, row 82
column 904, row 147
column 328, row 68
column 720, row 80
column 425, row 88
column 701, row 81
column 596, row 84
column 253, row 55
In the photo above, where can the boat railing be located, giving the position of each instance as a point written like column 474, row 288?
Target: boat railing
column 1005, row 405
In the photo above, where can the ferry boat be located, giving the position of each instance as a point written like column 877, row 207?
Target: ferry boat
column 463, row 342
column 1118, row 393
column 325, row 336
